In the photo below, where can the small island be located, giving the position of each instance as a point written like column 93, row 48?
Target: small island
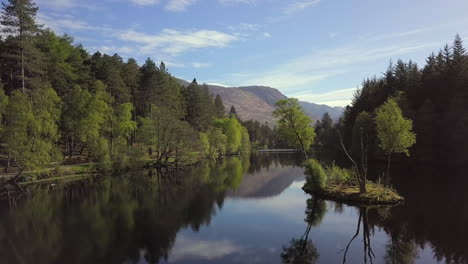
column 352, row 186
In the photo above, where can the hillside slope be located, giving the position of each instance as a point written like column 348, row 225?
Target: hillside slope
column 258, row 102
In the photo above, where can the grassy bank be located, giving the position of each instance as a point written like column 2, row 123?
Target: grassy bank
column 345, row 193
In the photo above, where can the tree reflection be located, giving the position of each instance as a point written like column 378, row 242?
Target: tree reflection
column 132, row 218
column 302, row 250
column 366, row 235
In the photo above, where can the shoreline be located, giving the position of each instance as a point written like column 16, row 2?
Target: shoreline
column 349, row 194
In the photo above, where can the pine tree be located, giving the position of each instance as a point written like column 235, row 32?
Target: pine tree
column 459, row 53
column 18, row 21
column 233, row 112
column 219, row 107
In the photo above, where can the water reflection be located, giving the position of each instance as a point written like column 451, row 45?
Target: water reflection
column 302, row 250
column 239, row 210
column 115, row 219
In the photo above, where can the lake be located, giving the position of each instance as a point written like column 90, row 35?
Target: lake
column 240, row 210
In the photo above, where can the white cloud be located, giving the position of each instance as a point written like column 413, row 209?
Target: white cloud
column 179, row 5
column 303, row 72
column 144, row 2
column 124, row 50
column 57, row 3
column 332, row 35
column 174, row 64
column 387, row 36
column 186, row 247
column 62, row 23
column 235, row 2
column 299, row 6
column 173, row 42
column 266, row 35
column 66, row 4
column 245, row 27
column 198, row 65
column 341, row 97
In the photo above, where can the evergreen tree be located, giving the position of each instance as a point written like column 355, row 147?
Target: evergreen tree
column 18, row 21
column 219, row 107
column 233, row 112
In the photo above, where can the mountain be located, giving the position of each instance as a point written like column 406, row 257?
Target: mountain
column 258, row 102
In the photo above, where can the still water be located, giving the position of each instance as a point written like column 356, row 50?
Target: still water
column 240, row 210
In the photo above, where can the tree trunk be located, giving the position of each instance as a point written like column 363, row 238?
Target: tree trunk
column 8, row 162
column 22, row 69
column 387, row 180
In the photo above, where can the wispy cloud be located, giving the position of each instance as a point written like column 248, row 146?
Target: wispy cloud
column 64, row 23
column 387, row 36
column 266, row 35
column 332, row 98
column 179, row 5
column 66, row 4
column 303, row 72
column 144, row 2
column 198, row 65
column 173, row 42
column 122, row 50
column 235, row 2
column 299, row 6
column 244, row 27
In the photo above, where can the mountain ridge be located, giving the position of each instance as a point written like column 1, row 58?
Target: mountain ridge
column 258, row 102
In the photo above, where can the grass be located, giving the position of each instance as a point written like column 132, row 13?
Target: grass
column 376, row 194
column 67, row 178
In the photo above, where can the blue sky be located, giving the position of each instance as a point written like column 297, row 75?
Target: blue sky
column 316, row 50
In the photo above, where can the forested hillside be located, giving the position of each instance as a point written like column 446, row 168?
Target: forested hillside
column 434, row 96
column 58, row 101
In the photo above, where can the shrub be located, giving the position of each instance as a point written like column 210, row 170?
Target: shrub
column 338, row 175
column 316, row 179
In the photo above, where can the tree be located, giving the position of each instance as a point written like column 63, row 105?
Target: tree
column 3, row 106
column 294, row 125
column 245, row 141
column 124, row 125
column 233, row 112
column 232, row 130
column 363, row 130
column 33, row 129
column 324, row 130
column 217, row 141
column 393, row 130
column 18, row 20
column 219, row 107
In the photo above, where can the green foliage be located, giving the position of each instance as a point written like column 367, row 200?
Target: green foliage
column 245, row 141
column 364, row 128
column 219, row 107
column 293, row 124
column 336, row 174
column 32, row 129
column 393, row 130
column 124, row 125
column 204, row 144
column 316, row 175
column 232, row 129
column 217, row 141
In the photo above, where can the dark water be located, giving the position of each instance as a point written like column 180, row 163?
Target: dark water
column 237, row 211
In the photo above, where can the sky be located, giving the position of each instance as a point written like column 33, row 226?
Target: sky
column 315, row 50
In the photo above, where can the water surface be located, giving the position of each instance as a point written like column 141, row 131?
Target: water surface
column 240, row 210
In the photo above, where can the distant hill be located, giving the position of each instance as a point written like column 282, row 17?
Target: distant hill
column 257, row 102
